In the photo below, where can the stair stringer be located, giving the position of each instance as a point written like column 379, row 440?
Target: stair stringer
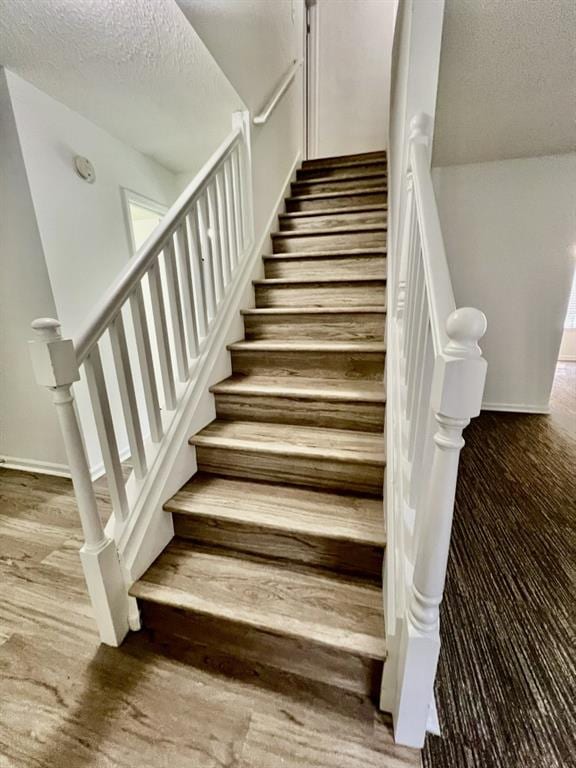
column 150, row 529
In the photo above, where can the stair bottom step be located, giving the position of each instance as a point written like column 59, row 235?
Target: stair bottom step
column 253, row 655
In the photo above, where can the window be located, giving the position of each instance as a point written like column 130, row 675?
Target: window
column 570, row 321
column 142, row 217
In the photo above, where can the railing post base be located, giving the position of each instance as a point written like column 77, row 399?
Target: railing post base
column 107, row 591
column 417, row 662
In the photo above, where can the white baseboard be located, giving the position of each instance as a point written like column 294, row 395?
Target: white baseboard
column 567, row 359
column 38, row 467
column 516, row 408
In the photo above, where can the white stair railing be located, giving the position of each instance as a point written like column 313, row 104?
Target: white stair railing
column 435, row 381
column 169, row 296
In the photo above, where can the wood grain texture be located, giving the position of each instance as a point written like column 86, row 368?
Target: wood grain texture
column 285, row 409
column 309, row 222
column 325, row 360
column 316, row 186
column 374, row 196
column 337, row 238
column 345, row 160
column 347, row 292
column 340, row 172
column 300, row 603
column 363, row 265
column 505, row 685
column 66, row 700
column 352, row 324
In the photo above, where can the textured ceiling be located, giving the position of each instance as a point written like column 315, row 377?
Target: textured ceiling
column 507, row 85
column 137, row 69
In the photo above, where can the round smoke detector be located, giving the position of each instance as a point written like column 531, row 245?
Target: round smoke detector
column 84, row 169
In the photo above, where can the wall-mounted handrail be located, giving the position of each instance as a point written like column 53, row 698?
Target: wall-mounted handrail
column 107, row 308
column 265, row 113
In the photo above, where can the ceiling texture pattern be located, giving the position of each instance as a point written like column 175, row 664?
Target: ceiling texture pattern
column 507, row 85
column 137, row 69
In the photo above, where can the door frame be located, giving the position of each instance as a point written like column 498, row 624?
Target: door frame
column 311, row 73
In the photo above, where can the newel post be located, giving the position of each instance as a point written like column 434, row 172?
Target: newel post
column 456, row 397
column 56, row 368
column 241, row 119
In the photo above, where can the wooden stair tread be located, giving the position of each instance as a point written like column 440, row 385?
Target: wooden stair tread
column 348, row 229
column 336, row 160
column 282, row 507
column 379, row 171
column 316, row 281
column 342, row 253
column 293, row 440
column 336, row 195
column 265, row 311
column 266, row 345
column 334, row 211
column 284, row 386
column 336, row 612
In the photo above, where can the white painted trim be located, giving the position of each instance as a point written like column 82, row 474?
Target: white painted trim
column 99, row 470
column 567, row 359
column 38, row 467
column 312, row 76
column 516, row 408
column 130, row 196
column 149, row 529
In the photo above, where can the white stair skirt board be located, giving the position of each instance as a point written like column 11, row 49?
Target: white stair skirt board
column 30, row 465
column 516, row 408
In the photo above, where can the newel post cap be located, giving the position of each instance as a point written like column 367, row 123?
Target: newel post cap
column 53, row 358
column 420, row 126
column 465, row 327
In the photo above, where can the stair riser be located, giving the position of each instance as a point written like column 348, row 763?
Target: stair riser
column 316, row 472
column 294, row 205
column 317, row 295
column 345, row 160
column 367, row 326
column 368, row 417
column 310, row 223
column 339, row 241
column 329, row 365
column 322, row 267
column 340, row 556
column 341, row 172
column 317, row 187
column 240, row 651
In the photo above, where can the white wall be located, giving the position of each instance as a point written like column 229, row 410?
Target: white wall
column 255, row 42
column 568, row 345
column 29, row 431
column 352, row 71
column 415, row 65
column 510, row 236
column 81, row 226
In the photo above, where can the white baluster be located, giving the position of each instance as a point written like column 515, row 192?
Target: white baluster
column 128, row 395
column 106, row 433
column 187, row 289
column 142, row 336
column 230, row 214
column 198, row 275
column 214, row 241
column 55, row 366
column 242, row 120
column 206, row 257
column 237, row 204
column 222, row 217
column 161, row 329
column 456, row 397
column 175, row 301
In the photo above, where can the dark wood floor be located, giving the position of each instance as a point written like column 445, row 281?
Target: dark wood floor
column 506, row 681
column 506, row 689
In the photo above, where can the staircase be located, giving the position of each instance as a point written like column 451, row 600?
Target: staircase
column 279, row 536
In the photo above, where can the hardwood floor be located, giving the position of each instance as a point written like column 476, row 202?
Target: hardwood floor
column 505, row 688
column 67, row 702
